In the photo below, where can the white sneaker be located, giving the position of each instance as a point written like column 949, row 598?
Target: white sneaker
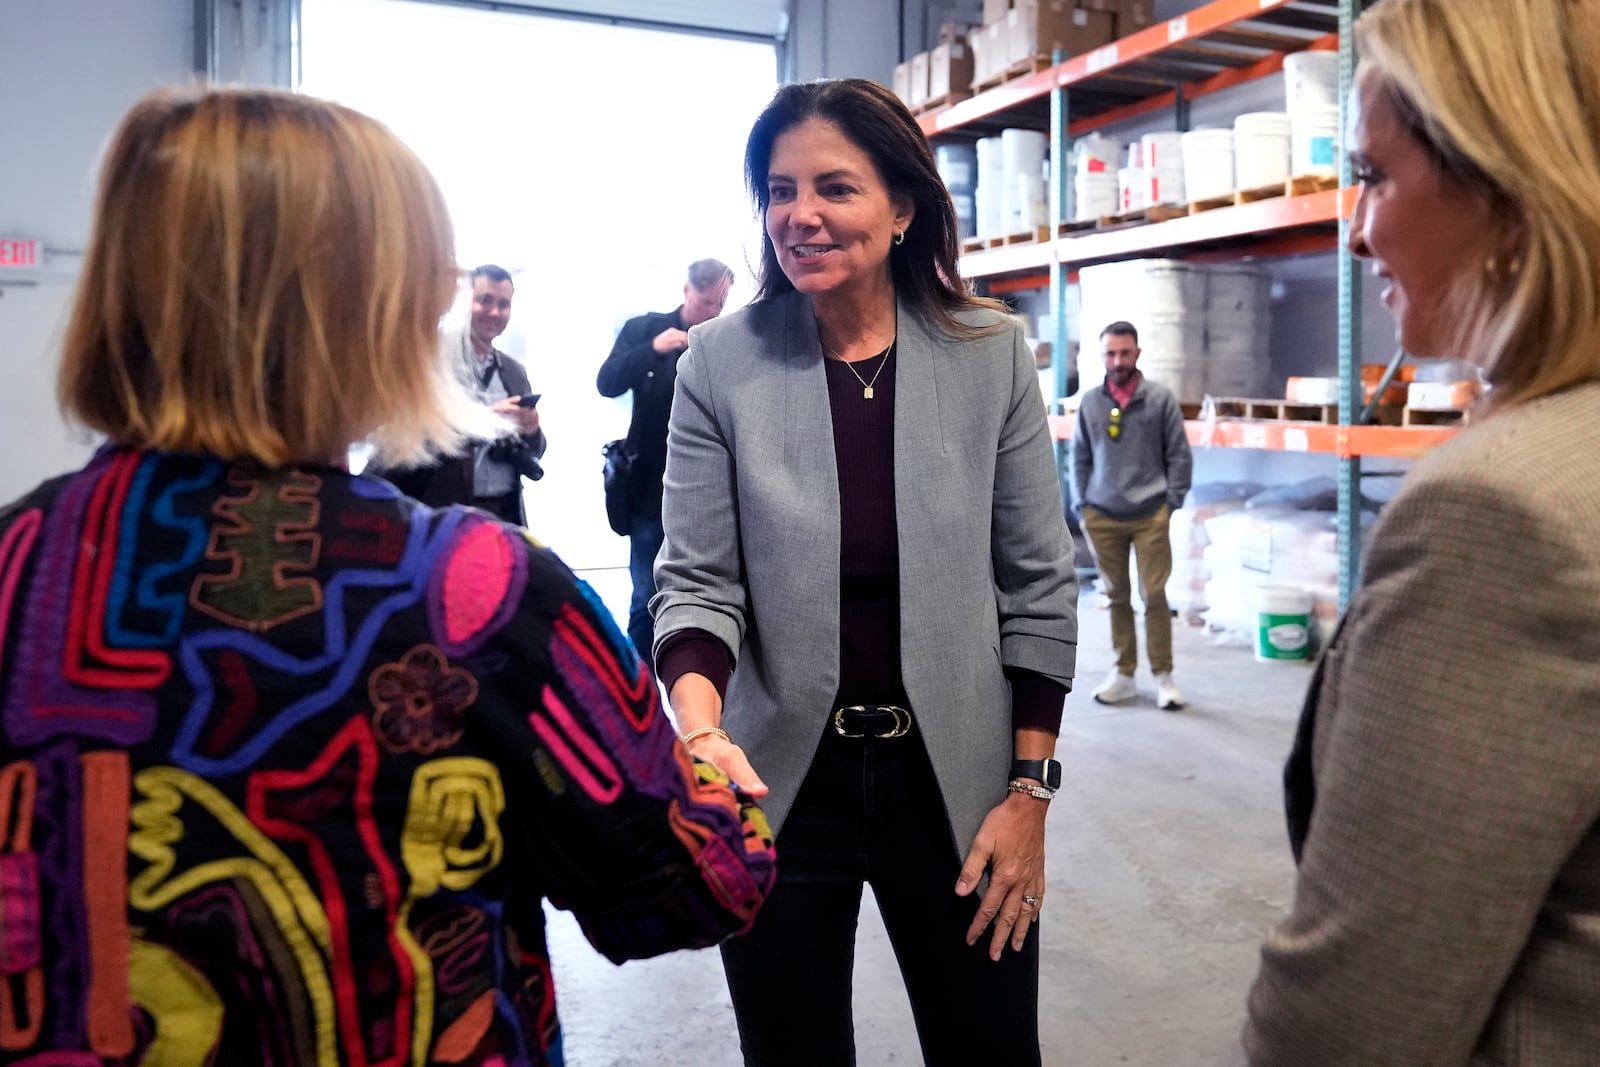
column 1168, row 696
column 1118, row 688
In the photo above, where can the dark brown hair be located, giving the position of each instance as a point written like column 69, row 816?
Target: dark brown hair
column 925, row 268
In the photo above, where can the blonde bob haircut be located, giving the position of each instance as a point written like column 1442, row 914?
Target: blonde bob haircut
column 1505, row 95
column 264, row 280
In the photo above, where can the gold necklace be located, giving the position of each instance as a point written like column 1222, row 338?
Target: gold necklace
column 866, row 386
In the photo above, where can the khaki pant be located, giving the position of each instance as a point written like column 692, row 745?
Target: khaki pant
column 1152, row 546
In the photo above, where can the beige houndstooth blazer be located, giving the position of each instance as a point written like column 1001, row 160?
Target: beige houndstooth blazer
column 1446, row 785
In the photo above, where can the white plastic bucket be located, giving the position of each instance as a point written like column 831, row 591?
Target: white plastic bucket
column 1032, row 203
column 1162, row 149
column 1316, row 142
column 1131, row 189
column 1283, row 623
column 1024, row 151
column 1098, row 195
column 1173, row 352
column 1311, row 80
column 1163, row 185
column 1261, row 148
column 991, row 191
column 1096, row 154
column 1208, row 163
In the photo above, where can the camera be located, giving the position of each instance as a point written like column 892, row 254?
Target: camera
column 516, row 453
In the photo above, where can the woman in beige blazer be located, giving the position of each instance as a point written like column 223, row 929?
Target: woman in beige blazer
column 1445, row 785
column 862, row 514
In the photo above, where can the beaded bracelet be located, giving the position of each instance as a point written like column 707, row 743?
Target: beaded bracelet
column 704, row 731
column 1038, row 791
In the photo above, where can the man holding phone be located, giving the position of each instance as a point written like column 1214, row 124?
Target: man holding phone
column 644, row 360
column 488, row 474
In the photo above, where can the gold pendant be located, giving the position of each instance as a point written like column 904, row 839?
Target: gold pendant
column 867, row 392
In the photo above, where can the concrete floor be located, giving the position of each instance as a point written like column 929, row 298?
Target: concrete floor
column 1167, row 861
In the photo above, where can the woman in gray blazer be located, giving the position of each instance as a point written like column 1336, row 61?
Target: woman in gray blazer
column 1445, row 785
column 864, row 526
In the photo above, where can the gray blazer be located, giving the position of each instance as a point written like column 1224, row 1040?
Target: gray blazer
column 752, row 540
column 1447, row 910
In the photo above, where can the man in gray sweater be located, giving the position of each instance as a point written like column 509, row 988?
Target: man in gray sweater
column 1131, row 466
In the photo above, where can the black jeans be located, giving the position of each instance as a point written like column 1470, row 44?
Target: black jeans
column 870, row 812
column 644, row 542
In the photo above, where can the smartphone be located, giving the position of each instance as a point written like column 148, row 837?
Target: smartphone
column 529, row 401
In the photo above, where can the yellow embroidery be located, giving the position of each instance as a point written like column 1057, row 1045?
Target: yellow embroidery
column 186, row 1010
column 294, row 907
column 453, row 801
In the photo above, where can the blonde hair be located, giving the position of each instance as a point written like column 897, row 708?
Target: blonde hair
column 1505, row 95
column 264, row 279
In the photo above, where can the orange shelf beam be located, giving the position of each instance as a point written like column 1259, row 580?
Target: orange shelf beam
column 1225, row 223
column 1398, row 442
column 1008, row 259
column 1195, row 26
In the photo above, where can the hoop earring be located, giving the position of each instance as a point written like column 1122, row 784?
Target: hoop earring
column 900, row 238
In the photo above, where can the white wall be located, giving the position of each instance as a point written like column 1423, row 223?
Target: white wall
column 845, row 38
column 72, row 67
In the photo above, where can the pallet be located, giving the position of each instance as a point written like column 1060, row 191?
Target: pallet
column 1301, row 186
column 1157, row 213
column 1038, row 233
column 1066, row 229
column 1436, row 417
column 1020, row 69
column 974, row 244
column 954, row 96
column 1234, row 407
column 1239, row 407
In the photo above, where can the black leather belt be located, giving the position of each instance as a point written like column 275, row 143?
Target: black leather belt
column 883, row 721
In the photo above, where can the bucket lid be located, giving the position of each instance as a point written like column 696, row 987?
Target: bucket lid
column 1263, row 121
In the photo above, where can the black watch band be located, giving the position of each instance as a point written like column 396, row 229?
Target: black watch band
column 1047, row 771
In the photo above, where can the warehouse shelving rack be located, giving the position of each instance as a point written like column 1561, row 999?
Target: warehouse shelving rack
column 1165, row 67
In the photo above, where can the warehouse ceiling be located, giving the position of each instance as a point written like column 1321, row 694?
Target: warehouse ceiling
column 751, row 18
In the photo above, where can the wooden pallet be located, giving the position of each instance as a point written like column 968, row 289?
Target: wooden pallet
column 1020, row 69
column 1436, row 417
column 1240, row 407
column 1301, row 186
column 1038, row 233
column 1073, row 226
column 1158, row 213
column 974, row 244
column 954, row 96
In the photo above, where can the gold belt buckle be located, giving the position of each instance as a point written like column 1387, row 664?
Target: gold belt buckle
column 901, row 717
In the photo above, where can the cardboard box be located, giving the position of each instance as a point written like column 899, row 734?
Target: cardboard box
column 902, row 82
column 919, row 79
column 955, row 31
column 1038, row 27
column 1133, row 16
column 950, row 72
column 988, row 46
column 995, row 10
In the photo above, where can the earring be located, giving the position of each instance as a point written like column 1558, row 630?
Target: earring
column 1498, row 271
column 900, row 238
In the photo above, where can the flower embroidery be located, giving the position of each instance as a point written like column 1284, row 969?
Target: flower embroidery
column 421, row 701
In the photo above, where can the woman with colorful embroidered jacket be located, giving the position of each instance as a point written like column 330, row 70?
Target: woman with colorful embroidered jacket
column 288, row 762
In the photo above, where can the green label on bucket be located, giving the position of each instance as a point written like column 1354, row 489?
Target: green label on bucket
column 1283, row 636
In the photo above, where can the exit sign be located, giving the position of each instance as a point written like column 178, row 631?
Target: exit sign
column 18, row 252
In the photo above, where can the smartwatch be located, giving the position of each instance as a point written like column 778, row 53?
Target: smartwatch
column 1047, row 771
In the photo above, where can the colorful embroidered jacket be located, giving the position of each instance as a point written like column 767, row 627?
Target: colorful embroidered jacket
column 288, row 763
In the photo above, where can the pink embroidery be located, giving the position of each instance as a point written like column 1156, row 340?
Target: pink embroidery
column 19, row 912
column 14, row 549
column 480, row 578
column 584, row 759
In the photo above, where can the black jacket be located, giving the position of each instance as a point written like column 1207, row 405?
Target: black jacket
column 634, row 364
column 450, row 481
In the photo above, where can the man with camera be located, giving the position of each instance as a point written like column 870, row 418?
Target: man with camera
column 488, row 474
column 644, row 360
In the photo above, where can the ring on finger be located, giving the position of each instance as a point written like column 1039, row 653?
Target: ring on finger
column 1032, row 902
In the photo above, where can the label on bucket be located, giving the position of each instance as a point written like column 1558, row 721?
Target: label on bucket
column 1322, row 151
column 1283, row 636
